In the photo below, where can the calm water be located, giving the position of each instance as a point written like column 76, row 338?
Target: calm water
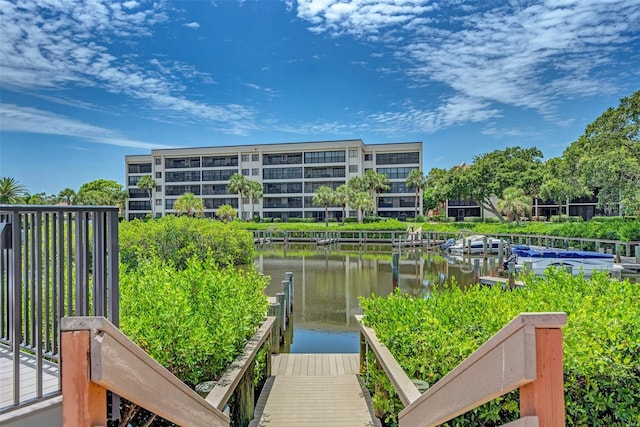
column 328, row 284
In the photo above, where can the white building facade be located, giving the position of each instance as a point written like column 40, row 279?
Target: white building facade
column 290, row 174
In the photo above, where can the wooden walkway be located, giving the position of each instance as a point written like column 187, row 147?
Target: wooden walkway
column 314, row 390
column 27, row 377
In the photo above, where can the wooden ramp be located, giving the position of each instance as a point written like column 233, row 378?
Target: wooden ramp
column 314, row 390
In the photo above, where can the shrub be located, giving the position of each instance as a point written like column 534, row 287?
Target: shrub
column 177, row 239
column 351, row 219
column 277, row 219
column 420, row 218
column 195, row 320
column 601, row 342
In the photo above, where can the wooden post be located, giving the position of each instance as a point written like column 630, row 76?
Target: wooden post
column 476, row 270
column 242, row 412
column 274, row 310
column 84, row 403
column 287, row 297
column 283, row 313
column 492, row 267
column 500, row 252
column 395, row 267
column 363, row 353
column 289, row 276
column 637, row 253
column 544, row 397
column 485, row 247
column 512, row 274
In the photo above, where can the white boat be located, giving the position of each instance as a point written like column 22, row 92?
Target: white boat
column 475, row 245
column 540, row 259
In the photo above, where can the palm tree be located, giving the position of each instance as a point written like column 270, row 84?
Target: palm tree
column 226, row 213
column 67, row 195
column 342, row 194
column 254, row 191
column 146, row 182
column 10, row 190
column 238, row 184
column 323, row 197
column 514, row 203
column 418, row 181
column 363, row 202
column 376, row 184
column 190, row 205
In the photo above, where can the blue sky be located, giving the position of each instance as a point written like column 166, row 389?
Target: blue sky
column 83, row 83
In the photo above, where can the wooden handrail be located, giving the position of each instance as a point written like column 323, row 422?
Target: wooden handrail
column 403, row 385
column 226, row 385
column 525, row 354
column 97, row 356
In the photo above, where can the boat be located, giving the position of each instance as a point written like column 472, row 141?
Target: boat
column 581, row 262
column 473, row 244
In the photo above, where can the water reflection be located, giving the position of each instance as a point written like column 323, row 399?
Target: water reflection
column 328, row 284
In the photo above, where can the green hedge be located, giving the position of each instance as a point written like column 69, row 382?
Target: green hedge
column 194, row 321
column 176, row 239
column 601, row 342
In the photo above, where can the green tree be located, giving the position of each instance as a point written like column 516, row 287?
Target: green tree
column 226, row 213
column 38, row 199
column 416, row 180
column 190, row 205
column 102, row 192
column 238, row 185
column 10, row 190
column 323, row 197
column 437, row 188
column 514, row 203
column 67, row 195
column 561, row 183
column 489, row 175
column 607, row 156
column 147, row 183
column 342, row 196
column 376, row 183
column 363, row 203
column 254, row 191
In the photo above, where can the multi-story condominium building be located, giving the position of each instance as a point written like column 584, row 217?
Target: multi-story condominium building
column 290, row 174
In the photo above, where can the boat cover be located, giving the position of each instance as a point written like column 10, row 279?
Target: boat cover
column 526, row 251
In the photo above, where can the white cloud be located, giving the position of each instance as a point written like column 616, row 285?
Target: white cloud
column 527, row 54
column 73, row 48
column 193, row 25
column 15, row 118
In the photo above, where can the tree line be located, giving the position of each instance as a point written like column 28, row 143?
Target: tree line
column 604, row 163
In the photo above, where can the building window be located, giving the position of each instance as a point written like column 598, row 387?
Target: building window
column 158, row 188
column 312, row 187
column 353, row 168
column 133, row 180
column 159, row 175
column 353, row 153
column 178, row 190
column 186, row 162
column 136, row 193
column 139, row 168
column 282, row 159
column 255, row 172
column 245, row 172
column 245, row 157
column 209, row 189
column 398, row 158
column 158, row 161
column 368, row 157
column 218, row 174
column 325, row 172
column 324, row 157
column 282, row 173
column 283, row 188
column 215, row 161
column 182, row 176
column 158, row 202
column 396, row 173
column 255, row 157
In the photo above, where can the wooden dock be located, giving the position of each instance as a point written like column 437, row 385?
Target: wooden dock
column 314, row 390
column 28, row 371
column 501, row 281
